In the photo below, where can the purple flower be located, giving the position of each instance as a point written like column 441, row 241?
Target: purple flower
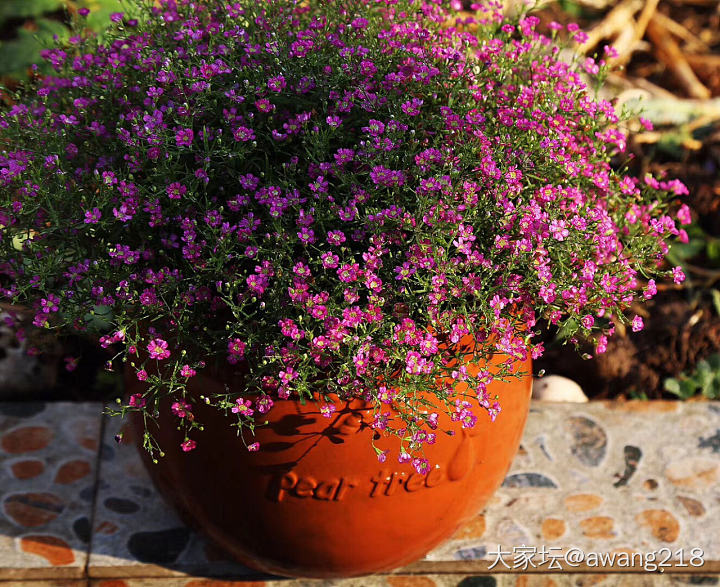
column 333, row 121
column 176, row 190
column 412, row 107
column 92, row 216
column 243, row 134
column 184, row 137
column 276, row 84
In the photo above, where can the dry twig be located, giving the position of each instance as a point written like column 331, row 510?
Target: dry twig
column 614, row 23
column 694, row 42
column 629, row 37
column 669, row 53
column 708, row 60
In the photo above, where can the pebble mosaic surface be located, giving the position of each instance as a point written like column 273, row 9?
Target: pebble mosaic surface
column 606, row 477
column 48, row 455
column 451, row 580
column 632, row 477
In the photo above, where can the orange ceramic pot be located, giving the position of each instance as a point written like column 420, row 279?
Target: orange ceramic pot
column 315, row 501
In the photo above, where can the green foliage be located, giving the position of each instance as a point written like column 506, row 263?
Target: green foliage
column 32, row 25
column 638, row 395
column 13, row 9
column 705, row 380
column 701, row 249
column 571, row 8
column 20, row 54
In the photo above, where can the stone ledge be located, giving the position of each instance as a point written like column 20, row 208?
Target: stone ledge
column 602, row 477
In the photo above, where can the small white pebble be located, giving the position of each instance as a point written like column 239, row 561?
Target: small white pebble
column 555, row 388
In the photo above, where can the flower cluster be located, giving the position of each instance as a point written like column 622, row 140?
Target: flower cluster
column 328, row 196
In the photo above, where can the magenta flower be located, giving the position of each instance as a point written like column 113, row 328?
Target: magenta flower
column 243, row 408
column 678, row 275
column 71, row 363
column 188, row 445
column 236, row 347
column 181, row 409
column 137, row 401
column 184, row 137
column 176, row 190
column 158, row 349
column 327, row 410
column 92, row 216
column 264, row 404
column 243, row 134
column 637, row 324
column 276, row 84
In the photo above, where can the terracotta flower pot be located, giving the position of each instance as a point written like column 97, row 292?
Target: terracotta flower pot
column 315, row 501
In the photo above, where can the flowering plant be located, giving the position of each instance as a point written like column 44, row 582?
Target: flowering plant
column 327, row 195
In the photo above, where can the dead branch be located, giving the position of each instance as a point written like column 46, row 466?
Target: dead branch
column 694, row 42
column 707, row 60
column 669, row 53
column 613, row 24
column 632, row 83
column 631, row 35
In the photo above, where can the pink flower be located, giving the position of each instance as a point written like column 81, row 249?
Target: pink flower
column 422, row 466
column 187, row 371
column 158, row 349
column 601, row 344
column 237, row 347
column 683, row 214
column 637, row 324
column 678, row 275
column 254, row 447
column 137, row 401
column 188, row 445
column 71, row 363
column 181, row 409
column 327, row 410
column 142, row 375
column 176, row 190
column 243, row 134
column 650, row 290
column 243, row 408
